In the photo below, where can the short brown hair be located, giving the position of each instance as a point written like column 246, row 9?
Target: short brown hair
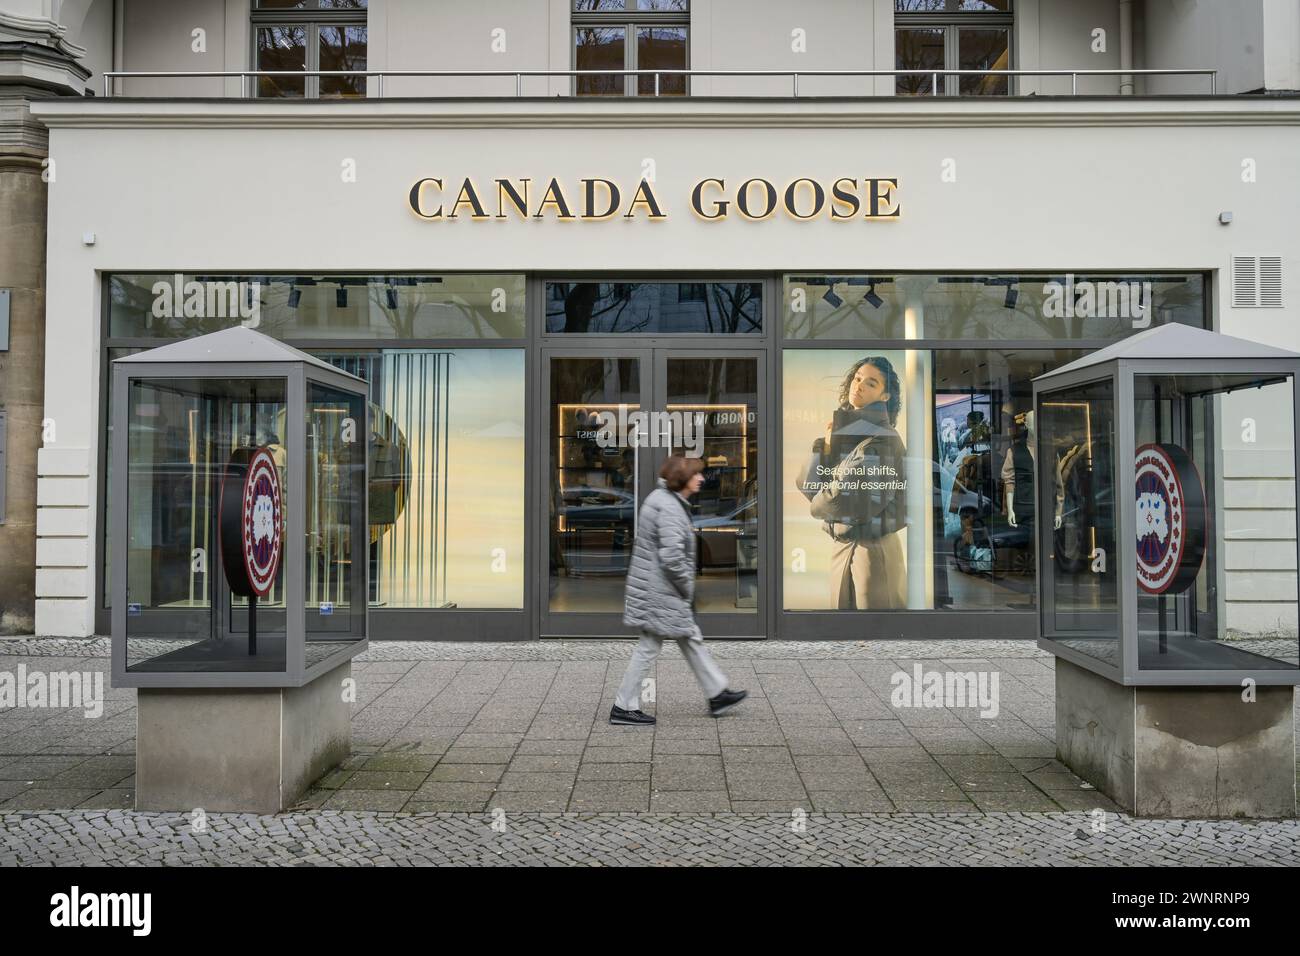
column 678, row 470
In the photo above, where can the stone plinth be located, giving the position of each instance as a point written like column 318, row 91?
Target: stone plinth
column 239, row 749
column 1179, row 751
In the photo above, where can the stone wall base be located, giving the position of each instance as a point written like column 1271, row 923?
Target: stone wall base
column 250, row 749
column 1179, row 751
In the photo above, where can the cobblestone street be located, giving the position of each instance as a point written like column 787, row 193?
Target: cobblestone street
column 500, row 753
column 120, row 837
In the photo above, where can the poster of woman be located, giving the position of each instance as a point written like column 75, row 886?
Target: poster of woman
column 845, row 508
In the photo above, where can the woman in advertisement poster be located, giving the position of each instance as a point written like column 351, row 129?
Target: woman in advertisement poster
column 856, row 485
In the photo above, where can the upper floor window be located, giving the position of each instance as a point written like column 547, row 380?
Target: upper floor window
column 631, row 35
column 305, row 36
column 952, row 35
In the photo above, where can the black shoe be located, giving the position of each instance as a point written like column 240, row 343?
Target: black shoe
column 725, row 701
column 617, row 715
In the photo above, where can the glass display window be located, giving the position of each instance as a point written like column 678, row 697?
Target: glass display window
column 241, row 497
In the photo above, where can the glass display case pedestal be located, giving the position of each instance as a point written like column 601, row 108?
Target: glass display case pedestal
column 239, row 496
column 1167, row 586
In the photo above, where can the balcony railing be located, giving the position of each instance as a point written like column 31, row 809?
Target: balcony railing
column 518, row 76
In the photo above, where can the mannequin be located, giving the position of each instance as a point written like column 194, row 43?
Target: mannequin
column 1018, row 470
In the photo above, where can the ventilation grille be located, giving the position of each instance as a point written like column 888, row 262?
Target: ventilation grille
column 1257, row 282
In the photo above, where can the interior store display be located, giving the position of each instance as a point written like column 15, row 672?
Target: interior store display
column 1019, row 468
column 973, row 494
column 1075, row 536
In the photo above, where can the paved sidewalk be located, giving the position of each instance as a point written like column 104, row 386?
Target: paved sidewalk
column 441, row 727
column 500, row 753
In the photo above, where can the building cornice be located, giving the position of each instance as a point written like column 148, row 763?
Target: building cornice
column 696, row 112
column 42, row 68
column 43, row 31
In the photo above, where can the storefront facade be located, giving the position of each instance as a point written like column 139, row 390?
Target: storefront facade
column 547, row 300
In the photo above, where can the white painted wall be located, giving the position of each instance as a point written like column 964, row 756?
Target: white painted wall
column 1227, row 35
column 418, row 35
column 778, row 35
column 1257, row 488
column 90, row 25
column 1282, row 45
column 1058, row 35
column 158, row 35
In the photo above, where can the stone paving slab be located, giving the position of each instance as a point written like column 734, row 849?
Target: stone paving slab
column 681, row 831
column 442, row 727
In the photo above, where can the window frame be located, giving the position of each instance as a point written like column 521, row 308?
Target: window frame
column 311, row 18
column 952, row 23
column 630, row 19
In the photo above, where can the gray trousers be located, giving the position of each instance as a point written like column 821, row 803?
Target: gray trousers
column 711, row 678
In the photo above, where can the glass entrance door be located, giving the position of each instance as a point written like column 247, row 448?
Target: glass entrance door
column 596, row 472
column 612, row 420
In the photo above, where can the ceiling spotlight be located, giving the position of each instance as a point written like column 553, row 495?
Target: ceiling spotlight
column 295, row 296
column 1010, row 300
column 341, row 297
column 875, row 300
column 832, row 298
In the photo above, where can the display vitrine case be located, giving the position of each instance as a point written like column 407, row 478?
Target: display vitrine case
column 1170, row 462
column 239, row 550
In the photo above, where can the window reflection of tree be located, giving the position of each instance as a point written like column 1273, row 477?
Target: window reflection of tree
column 600, row 307
column 975, row 307
column 597, row 47
column 131, row 303
column 399, row 299
column 983, row 307
column 739, row 307
column 888, row 320
column 621, row 307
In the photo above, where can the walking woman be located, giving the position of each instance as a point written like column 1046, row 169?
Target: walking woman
column 660, row 596
column 856, row 485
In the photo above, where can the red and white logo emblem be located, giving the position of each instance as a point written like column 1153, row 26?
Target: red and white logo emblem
column 262, row 522
column 1163, row 547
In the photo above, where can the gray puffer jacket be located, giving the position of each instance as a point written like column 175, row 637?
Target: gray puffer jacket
column 660, row 593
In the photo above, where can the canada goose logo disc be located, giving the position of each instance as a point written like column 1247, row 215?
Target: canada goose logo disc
column 1169, row 506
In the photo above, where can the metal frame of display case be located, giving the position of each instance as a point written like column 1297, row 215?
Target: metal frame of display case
column 297, row 376
column 1121, row 372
